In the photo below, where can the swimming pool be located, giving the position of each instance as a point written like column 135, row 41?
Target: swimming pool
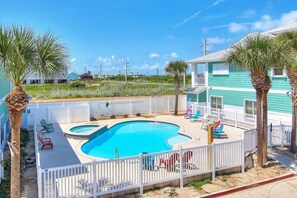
column 133, row 137
column 83, row 128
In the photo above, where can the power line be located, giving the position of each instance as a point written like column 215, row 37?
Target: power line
column 126, row 70
column 204, row 47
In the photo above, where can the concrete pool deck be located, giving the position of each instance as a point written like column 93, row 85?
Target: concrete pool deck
column 67, row 151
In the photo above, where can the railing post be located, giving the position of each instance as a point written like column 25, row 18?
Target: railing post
column 68, row 113
column 88, row 112
column 181, row 176
column 39, row 182
column 282, row 135
column 94, row 179
column 204, row 110
column 140, row 175
column 242, row 153
column 235, row 119
column 218, row 114
column 213, row 161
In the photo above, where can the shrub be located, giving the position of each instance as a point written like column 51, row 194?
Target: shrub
column 77, row 84
column 138, row 114
column 198, row 184
column 112, row 117
column 24, row 136
column 126, row 116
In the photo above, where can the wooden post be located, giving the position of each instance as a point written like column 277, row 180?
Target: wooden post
column 210, row 148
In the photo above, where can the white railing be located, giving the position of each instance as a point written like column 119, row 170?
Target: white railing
column 104, row 177
column 277, row 135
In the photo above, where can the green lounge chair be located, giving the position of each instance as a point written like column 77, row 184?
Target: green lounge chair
column 46, row 127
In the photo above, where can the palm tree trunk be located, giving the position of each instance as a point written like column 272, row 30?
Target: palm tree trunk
column 16, row 102
column 259, row 128
column 177, row 88
column 294, row 121
column 176, row 105
column 15, row 118
column 265, row 123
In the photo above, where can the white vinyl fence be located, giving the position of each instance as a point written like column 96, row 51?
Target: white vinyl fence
column 70, row 112
column 103, row 177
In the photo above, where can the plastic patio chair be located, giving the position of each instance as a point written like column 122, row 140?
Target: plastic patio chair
column 195, row 117
column 188, row 114
column 217, row 125
column 45, row 142
column 46, row 127
column 217, row 132
column 170, row 162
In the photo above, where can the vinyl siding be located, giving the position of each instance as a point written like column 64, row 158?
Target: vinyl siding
column 202, row 97
column 4, row 84
column 280, row 103
column 240, row 78
column 192, row 97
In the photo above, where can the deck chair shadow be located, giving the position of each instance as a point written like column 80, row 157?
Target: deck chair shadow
column 46, row 127
column 170, row 162
column 45, row 142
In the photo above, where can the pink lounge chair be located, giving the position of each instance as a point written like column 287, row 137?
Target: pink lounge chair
column 170, row 162
column 45, row 142
column 188, row 114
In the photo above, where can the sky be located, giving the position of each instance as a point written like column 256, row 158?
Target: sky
column 146, row 33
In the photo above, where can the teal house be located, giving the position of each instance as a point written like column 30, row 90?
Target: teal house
column 223, row 86
column 4, row 123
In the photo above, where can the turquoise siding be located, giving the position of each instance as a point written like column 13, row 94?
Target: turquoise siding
column 236, row 79
column 4, row 84
column 240, row 78
column 280, row 103
column 192, row 97
column 3, row 109
column 202, row 97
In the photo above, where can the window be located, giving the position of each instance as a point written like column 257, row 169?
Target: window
column 220, row 69
column 250, row 107
column 278, row 72
column 216, row 102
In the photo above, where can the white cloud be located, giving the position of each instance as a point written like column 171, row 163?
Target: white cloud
column 108, row 61
column 237, row 27
column 155, row 66
column 267, row 22
column 154, row 55
column 217, row 40
column 174, row 55
column 215, row 3
column 248, row 13
column 73, row 60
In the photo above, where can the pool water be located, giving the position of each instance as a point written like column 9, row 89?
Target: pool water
column 83, row 128
column 133, row 137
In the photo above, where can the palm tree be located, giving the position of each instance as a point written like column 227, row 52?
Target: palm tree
column 176, row 68
column 290, row 40
column 258, row 54
column 21, row 52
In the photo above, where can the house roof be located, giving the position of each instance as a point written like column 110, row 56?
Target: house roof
column 292, row 26
column 222, row 55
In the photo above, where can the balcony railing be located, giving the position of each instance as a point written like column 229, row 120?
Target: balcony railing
column 199, row 80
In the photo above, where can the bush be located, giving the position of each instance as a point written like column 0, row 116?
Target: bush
column 24, row 137
column 138, row 114
column 112, row 117
column 126, row 116
column 77, row 84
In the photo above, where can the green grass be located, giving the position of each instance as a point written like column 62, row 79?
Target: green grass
column 198, row 184
column 99, row 89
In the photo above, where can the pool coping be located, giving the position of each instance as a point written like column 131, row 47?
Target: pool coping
column 84, row 136
column 174, row 147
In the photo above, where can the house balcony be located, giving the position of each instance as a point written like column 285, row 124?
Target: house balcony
column 199, row 80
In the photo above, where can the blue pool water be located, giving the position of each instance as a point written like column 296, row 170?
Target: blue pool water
column 132, row 138
column 83, row 128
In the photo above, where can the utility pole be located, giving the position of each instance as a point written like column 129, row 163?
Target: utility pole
column 126, row 70
column 204, row 47
column 100, row 70
column 157, row 71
